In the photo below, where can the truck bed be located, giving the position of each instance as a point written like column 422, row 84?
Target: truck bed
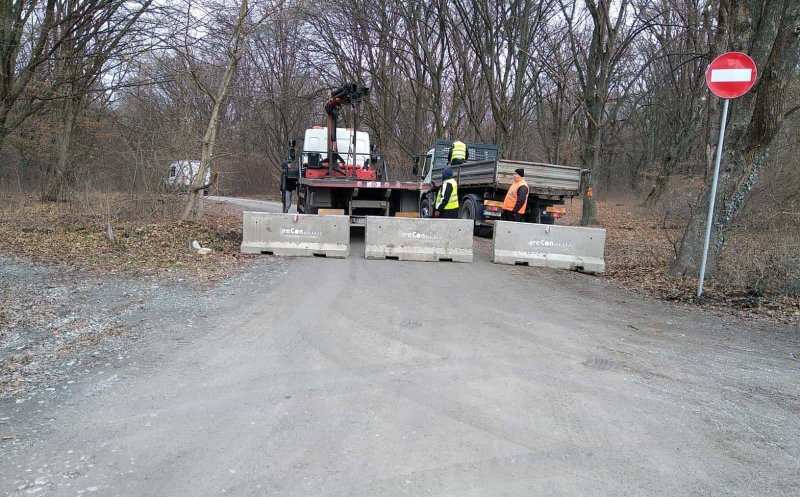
column 484, row 169
column 544, row 179
column 479, row 169
column 353, row 183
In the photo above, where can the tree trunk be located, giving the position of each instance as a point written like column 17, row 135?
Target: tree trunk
column 589, row 213
column 3, row 119
column 591, row 159
column 768, row 31
column 60, row 173
column 594, row 79
column 193, row 209
column 660, row 185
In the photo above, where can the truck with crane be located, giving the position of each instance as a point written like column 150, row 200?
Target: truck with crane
column 338, row 171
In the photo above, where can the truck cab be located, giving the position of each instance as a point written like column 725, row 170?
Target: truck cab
column 315, row 142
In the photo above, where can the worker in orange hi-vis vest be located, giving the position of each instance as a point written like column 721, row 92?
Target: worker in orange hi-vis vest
column 516, row 200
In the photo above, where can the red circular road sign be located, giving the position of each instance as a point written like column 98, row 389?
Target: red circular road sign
column 731, row 75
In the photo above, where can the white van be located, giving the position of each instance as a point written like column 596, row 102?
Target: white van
column 181, row 174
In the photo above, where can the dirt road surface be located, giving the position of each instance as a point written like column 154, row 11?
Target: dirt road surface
column 250, row 204
column 320, row 377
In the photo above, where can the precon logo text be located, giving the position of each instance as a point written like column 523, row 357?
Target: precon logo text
column 300, row 232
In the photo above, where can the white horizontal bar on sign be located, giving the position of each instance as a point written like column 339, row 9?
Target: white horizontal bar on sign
column 731, row 75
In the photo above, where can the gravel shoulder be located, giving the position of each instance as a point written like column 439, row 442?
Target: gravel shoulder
column 309, row 377
column 368, row 378
column 56, row 321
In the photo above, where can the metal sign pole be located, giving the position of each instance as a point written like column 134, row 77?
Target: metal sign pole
column 713, row 198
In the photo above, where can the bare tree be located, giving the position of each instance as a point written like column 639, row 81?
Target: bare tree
column 558, row 97
column 502, row 36
column 611, row 32
column 237, row 46
column 27, row 42
column 672, row 115
column 768, row 31
column 87, row 63
column 277, row 91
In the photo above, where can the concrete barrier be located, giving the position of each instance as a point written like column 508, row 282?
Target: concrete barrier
column 560, row 247
column 410, row 239
column 296, row 235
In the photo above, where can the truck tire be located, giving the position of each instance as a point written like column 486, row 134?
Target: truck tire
column 470, row 209
column 304, row 205
column 425, row 209
column 467, row 208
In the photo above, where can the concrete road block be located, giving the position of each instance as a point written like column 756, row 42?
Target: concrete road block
column 410, row 239
column 307, row 236
column 560, row 247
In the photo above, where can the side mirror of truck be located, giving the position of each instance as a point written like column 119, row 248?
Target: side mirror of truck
column 415, row 169
column 373, row 154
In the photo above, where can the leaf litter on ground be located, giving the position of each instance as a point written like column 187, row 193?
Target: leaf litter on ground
column 640, row 248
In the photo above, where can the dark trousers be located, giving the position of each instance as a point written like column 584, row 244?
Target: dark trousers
column 449, row 214
column 457, row 162
column 511, row 216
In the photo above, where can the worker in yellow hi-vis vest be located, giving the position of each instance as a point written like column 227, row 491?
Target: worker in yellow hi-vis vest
column 447, row 198
column 458, row 154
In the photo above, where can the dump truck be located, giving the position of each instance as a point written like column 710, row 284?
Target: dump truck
column 338, row 171
column 484, row 179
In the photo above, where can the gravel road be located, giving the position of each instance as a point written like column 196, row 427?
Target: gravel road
column 383, row 378
column 249, row 204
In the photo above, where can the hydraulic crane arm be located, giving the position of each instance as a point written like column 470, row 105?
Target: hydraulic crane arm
column 351, row 93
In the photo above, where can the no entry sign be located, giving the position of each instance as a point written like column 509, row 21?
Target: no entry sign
column 731, row 75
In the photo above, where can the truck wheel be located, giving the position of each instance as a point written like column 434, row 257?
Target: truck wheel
column 311, row 207
column 469, row 210
column 425, row 208
column 303, row 206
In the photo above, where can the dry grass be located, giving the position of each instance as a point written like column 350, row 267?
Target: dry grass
column 148, row 240
column 640, row 246
column 762, row 262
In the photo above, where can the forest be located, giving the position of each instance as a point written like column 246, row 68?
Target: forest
column 101, row 96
